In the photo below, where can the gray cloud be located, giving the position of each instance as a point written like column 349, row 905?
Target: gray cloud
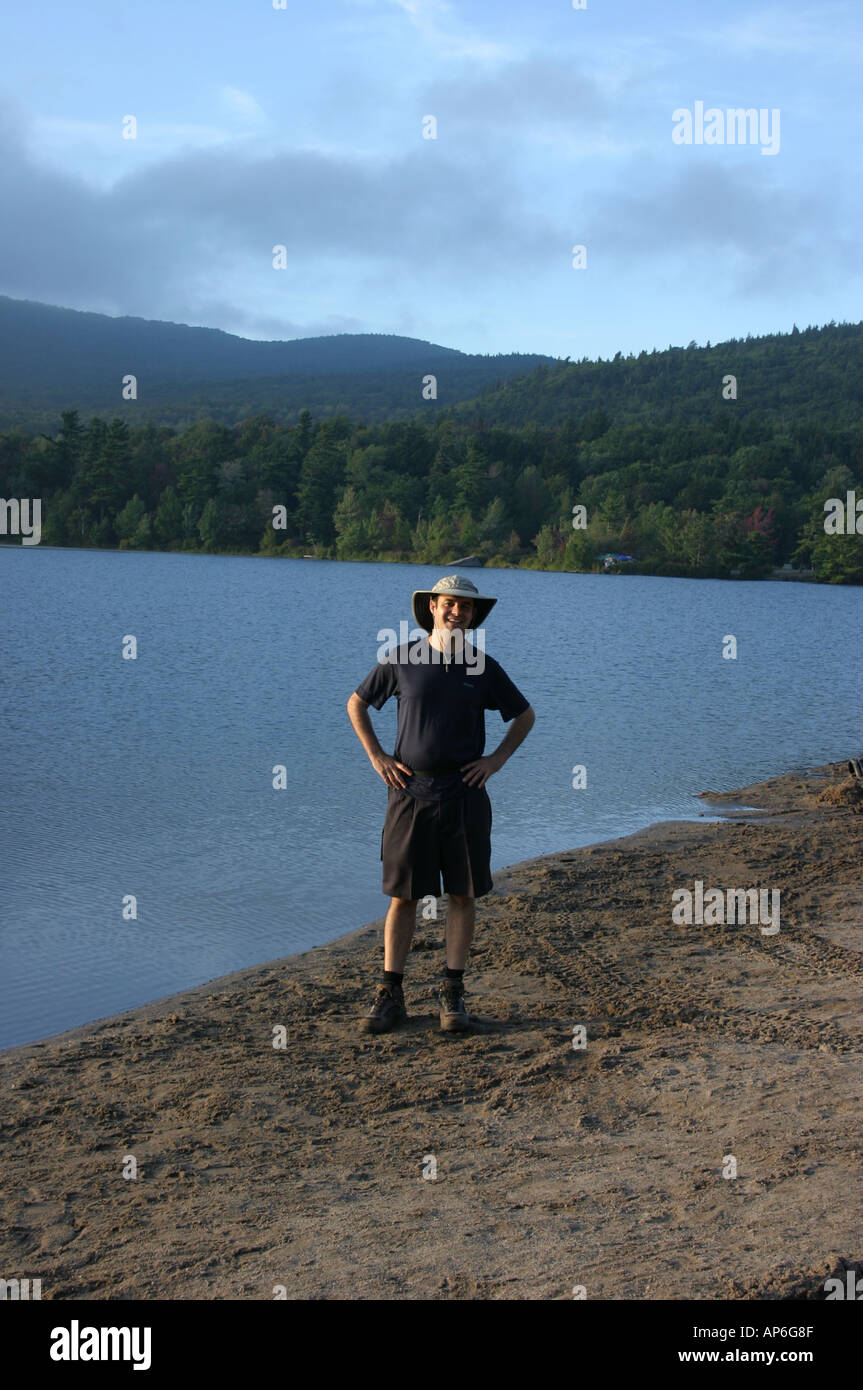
column 174, row 237
column 534, row 89
column 251, row 323
column 776, row 235
column 177, row 230
column 420, row 206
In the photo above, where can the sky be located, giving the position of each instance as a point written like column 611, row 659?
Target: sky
column 303, row 124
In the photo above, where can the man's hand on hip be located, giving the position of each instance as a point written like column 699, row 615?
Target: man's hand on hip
column 477, row 773
column 388, row 768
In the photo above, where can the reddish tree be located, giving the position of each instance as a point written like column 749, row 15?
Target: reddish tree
column 761, row 522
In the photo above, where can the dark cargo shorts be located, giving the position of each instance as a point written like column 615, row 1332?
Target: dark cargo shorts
column 423, row 839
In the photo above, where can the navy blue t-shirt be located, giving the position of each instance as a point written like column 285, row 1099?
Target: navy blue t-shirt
column 441, row 720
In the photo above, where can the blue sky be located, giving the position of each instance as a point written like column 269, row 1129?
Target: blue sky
column 303, row 126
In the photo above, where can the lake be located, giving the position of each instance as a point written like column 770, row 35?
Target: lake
column 153, row 777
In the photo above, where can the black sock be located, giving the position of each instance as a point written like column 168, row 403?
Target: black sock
column 392, row 977
column 454, row 974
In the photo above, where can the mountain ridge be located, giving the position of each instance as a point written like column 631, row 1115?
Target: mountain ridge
column 53, row 358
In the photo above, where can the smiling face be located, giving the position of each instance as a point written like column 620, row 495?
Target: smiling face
column 451, row 613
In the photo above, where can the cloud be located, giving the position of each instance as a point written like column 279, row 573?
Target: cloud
column 176, row 230
column 189, row 235
column 824, row 32
column 68, row 141
column 552, row 105
column 533, row 90
column 433, row 21
column 243, row 104
column 713, row 216
column 405, row 210
column 261, row 324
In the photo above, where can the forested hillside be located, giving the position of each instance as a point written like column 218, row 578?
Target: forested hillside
column 53, row 359
column 716, row 487
column 782, row 377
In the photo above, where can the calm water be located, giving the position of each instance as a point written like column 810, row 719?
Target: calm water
column 153, row 777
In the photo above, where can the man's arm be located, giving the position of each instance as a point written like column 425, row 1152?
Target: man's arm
column 478, row 772
column 383, row 764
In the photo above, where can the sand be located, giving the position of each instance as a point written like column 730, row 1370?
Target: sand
column 262, row 1169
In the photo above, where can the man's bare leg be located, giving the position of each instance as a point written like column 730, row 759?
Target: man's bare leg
column 388, row 1010
column 398, row 933
column 460, row 921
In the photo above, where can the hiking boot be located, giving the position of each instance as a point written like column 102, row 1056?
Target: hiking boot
column 453, row 1014
column 388, row 1011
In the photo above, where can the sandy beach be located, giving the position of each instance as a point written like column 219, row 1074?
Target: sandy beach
column 606, row 1166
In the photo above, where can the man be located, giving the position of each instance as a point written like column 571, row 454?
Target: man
column 438, row 811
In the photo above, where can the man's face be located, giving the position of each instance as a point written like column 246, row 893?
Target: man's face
column 451, row 613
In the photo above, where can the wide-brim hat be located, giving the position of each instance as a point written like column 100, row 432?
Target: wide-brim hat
column 454, row 586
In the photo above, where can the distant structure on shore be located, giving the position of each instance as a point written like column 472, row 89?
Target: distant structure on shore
column 801, row 576
column 467, row 562
column 611, row 563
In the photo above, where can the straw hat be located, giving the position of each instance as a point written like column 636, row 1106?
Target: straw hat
column 455, row 586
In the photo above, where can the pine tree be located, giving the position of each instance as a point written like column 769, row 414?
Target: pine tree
column 168, row 520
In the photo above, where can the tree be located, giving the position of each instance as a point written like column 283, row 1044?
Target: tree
column 116, row 457
column 550, row 548
column 496, row 524
column 191, row 517
column 304, row 433
column 322, row 478
column 694, row 540
column 396, row 531
column 68, row 449
column 231, row 480
column 373, row 533
column 435, row 540
column 467, row 530
column 836, row 559
column 197, row 454
column 55, row 521
column 757, row 560
column 348, row 526
column 467, row 480
column 579, row 553
column 278, row 464
column 252, row 433
column 168, row 520
column 212, row 527
column 595, row 424
column 612, row 511
column 532, row 503
column 98, row 486
column 128, row 521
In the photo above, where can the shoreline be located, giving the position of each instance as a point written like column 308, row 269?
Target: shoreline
column 303, row 1165
column 777, row 575
column 731, row 810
